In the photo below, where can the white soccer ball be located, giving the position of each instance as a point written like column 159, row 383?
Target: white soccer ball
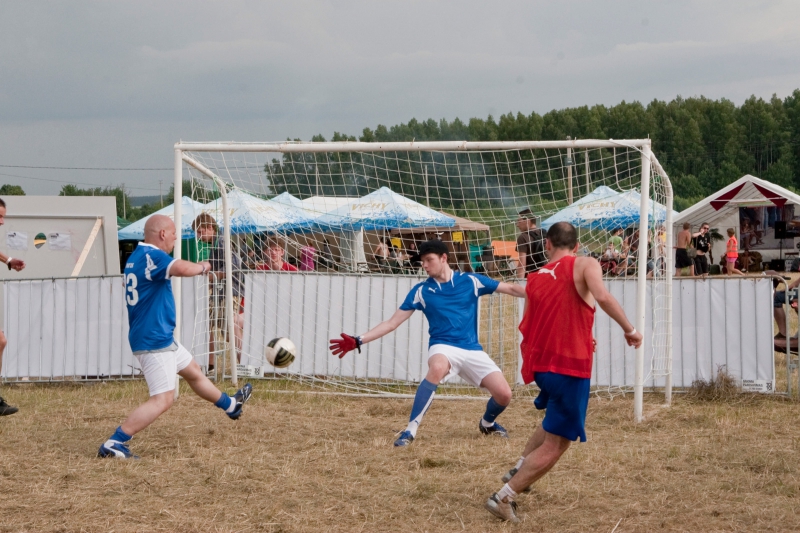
column 281, row 352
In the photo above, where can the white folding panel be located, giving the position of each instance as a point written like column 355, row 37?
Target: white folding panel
column 77, row 328
column 717, row 322
column 311, row 308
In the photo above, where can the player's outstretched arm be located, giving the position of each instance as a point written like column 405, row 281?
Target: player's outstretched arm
column 593, row 275
column 348, row 343
column 187, row 269
column 16, row 264
column 511, row 288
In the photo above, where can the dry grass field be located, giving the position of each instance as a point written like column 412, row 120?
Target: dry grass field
column 300, row 462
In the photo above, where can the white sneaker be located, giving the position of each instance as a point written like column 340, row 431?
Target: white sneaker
column 503, row 510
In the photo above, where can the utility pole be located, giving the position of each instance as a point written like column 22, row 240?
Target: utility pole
column 569, row 172
column 160, row 193
column 124, row 211
column 587, row 171
column 427, row 198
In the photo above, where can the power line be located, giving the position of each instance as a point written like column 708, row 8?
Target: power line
column 84, row 168
column 70, row 182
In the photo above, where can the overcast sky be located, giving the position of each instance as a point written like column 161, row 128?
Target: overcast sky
column 116, row 84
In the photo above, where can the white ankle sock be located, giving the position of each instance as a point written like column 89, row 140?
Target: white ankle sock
column 232, row 407
column 519, row 463
column 486, row 424
column 506, row 492
column 412, row 428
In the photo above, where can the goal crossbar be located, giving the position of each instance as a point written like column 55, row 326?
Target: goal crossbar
column 413, row 146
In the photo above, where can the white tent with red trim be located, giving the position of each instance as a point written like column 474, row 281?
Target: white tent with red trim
column 721, row 210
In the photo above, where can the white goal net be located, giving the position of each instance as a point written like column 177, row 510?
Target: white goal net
column 323, row 239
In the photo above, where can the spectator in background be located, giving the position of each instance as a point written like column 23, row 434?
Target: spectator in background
column 307, row 255
column 274, row 257
column 205, row 229
column 413, row 255
column 326, row 256
column 778, row 301
column 616, row 241
column 732, row 253
column 382, row 253
column 211, row 248
column 630, row 249
column 682, row 259
column 702, row 243
column 530, row 245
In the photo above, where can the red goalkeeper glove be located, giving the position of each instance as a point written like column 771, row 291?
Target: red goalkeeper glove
column 347, row 343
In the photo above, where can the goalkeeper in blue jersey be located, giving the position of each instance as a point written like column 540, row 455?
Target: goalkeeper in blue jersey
column 151, row 314
column 449, row 301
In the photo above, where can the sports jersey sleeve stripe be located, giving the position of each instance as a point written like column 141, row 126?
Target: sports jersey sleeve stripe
column 489, row 285
column 411, row 301
column 169, row 266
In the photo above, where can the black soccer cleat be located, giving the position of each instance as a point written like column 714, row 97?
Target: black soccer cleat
column 6, row 409
column 496, row 430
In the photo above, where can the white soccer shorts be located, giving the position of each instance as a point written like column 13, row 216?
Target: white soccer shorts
column 160, row 368
column 470, row 365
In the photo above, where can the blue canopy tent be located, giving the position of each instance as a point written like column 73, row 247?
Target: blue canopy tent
column 607, row 209
column 287, row 199
column 250, row 214
column 383, row 209
column 189, row 210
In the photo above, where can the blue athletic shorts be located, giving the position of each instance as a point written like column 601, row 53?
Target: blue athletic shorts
column 564, row 399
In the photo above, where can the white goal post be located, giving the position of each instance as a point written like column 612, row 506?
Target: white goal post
column 466, row 193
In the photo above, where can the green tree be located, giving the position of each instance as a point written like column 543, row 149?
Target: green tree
column 703, row 144
column 122, row 197
column 11, row 190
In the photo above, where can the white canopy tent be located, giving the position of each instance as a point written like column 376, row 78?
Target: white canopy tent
column 721, row 210
column 189, row 210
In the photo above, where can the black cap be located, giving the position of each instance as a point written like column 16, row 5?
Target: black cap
column 432, row 247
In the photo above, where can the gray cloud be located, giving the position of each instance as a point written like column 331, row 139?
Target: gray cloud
column 116, row 84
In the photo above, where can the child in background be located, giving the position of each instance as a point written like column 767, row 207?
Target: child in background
column 732, row 253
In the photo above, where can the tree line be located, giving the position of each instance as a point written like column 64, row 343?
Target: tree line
column 703, row 144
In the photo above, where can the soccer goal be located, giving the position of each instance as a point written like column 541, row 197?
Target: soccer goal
column 320, row 238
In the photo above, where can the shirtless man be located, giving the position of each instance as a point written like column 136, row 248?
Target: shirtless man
column 682, row 259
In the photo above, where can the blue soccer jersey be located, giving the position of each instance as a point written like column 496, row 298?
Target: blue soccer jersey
column 451, row 308
column 148, row 293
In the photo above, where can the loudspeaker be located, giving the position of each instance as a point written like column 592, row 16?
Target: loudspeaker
column 777, row 264
column 780, row 229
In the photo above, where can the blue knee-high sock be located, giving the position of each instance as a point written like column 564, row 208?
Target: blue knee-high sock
column 225, row 402
column 120, row 436
column 493, row 410
column 422, row 400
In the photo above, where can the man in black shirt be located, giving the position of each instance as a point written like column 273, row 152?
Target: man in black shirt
column 702, row 243
column 530, row 245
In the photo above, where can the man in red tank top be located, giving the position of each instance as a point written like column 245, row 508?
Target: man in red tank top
column 557, row 349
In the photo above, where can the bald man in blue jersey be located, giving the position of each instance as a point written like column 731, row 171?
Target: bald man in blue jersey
column 151, row 314
column 449, row 301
